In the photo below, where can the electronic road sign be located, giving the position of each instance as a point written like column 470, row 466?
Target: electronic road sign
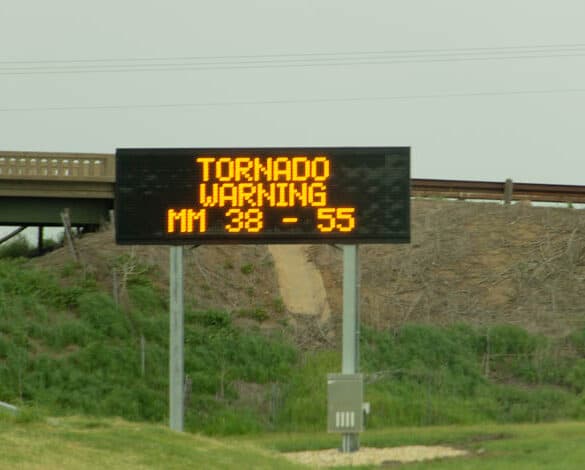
column 193, row 196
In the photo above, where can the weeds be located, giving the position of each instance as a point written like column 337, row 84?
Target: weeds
column 17, row 248
column 247, row 269
column 20, row 247
column 71, row 349
column 257, row 314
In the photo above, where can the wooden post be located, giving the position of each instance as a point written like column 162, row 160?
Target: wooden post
column 187, row 394
column 508, row 191
column 69, row 234
column 142, row 355
column 487, row 353
column 115, row 287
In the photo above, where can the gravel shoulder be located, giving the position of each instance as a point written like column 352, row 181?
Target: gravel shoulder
column 373, row 456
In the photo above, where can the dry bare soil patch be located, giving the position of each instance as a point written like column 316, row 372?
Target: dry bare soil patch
column 478, row 263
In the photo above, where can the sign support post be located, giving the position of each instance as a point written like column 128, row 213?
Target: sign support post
column 264, row 195
column 351, row 329
column 176, row 361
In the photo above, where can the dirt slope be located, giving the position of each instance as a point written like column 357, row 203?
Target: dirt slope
column 478, row 263
column 216, row 277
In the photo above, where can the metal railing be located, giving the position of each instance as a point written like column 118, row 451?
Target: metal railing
column 100, row 168
column 505, row 191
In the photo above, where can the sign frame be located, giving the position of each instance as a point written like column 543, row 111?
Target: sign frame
column 373, row 182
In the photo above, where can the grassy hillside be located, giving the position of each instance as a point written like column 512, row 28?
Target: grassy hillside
column 80, row 443
column 66, row 346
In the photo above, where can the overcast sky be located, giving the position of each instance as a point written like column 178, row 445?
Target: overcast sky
column 479, row 90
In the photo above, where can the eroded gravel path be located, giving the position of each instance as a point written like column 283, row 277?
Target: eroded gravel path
column 299, row 281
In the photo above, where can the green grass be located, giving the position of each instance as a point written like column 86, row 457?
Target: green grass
column 90, row 443
column 78, row 442
column 517, row 446
column 426, row 375
column 543, row 446
column 66, row 346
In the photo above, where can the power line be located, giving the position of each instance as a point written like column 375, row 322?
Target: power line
column 479, row 94
column 85, row 66
column 535, row 48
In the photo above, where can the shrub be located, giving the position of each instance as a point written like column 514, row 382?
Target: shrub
column 19, row 247
column 575, row 377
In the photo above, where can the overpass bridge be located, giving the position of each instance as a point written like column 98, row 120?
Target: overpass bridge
column 36, row 187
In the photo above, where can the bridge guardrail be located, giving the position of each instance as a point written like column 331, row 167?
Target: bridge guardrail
column 93, row 175
column 57, row 166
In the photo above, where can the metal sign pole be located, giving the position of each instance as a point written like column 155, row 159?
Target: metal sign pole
column 350, row 341
column 176, row 362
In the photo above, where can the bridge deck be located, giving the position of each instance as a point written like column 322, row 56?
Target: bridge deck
column 61, row 175
column 36, row 186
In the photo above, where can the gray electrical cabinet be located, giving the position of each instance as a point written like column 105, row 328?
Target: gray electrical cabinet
column 345, row 406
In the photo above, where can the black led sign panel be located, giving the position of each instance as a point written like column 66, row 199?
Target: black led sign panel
column 263, row 195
